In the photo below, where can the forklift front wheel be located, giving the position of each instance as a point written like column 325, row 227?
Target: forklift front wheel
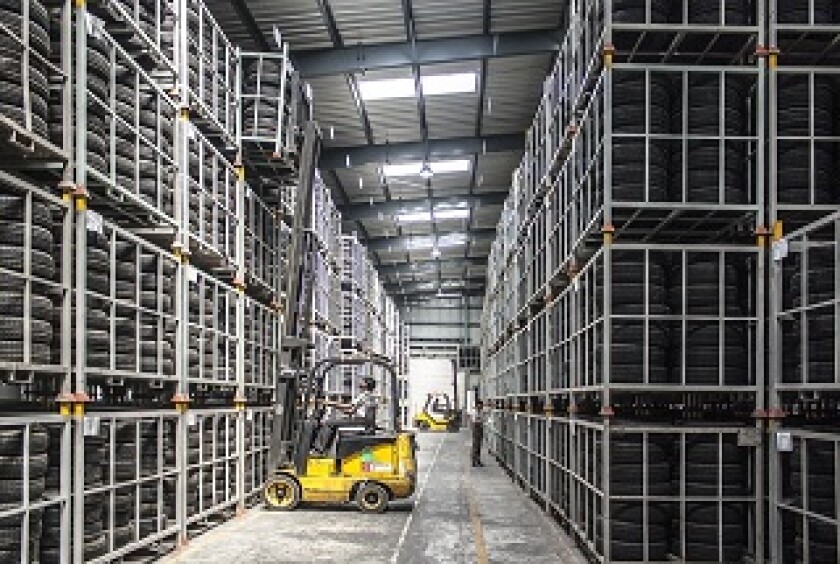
column 282, row 493
column 372, row 498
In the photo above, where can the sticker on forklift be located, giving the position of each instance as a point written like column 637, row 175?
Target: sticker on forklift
column 367, row 455
column 377, row 467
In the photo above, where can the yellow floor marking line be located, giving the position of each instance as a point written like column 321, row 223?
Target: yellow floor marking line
column 475, row 520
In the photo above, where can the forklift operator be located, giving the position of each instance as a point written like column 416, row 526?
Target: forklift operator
column 363, row 408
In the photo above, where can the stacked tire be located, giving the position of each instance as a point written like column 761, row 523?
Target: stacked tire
column 260, row 117
column 703, row 340
column 735, row 12
column 703, row 157
column 820, row 493
column 144, row 149
column 157, row 331
column 13, row 324
column 16, row 98
column 795, row 167
column 201, row 338
column 714, row 468
column 12, row 442
column 627, row 468
column 819, row 322
column 796, row 12
column 635, row 11
column 628, row 336
column 630, row 108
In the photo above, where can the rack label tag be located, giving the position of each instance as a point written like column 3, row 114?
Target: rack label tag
column 780, row 250
column 784, row 442
column 94, row 222
column 90, row 427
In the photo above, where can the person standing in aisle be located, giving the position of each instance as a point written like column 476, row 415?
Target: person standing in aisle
column 479, row 418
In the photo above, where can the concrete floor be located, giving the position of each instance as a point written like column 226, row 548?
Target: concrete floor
column 459, row 514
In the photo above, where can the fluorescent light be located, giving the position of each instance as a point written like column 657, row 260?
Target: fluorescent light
column 433, row 85
column 414, row 217
column 457, row 83
column 386, row 89
column 455, row 213
column 416, row 168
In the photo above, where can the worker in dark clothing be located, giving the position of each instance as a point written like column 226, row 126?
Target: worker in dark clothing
column 479, row 418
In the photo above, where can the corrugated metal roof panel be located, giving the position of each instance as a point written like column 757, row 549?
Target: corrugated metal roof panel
column 371, row 21
column 445, row 18
column 335, row 111
column 514, row 86
column 300, row 22
column 523, row 15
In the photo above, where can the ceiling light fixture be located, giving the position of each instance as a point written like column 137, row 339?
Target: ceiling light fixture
column 433, row 85
column 456, row 213
column 417, row 168
column 414, row 217
column 426, row 172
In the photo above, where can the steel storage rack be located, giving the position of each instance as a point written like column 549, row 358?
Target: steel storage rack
column 143, row 277
column 804, row 200
column 804, row 435
column 623, row 330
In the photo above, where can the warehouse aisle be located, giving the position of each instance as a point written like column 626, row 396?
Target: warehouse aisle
column 460, row 515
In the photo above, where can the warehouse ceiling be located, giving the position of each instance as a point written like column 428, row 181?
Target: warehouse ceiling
column 447, row 86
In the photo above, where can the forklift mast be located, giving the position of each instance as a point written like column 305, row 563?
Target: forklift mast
column 289, row 410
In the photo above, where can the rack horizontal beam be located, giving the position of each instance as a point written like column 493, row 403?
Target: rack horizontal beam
column 361, row 58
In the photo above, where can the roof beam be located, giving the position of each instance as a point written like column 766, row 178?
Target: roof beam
column 361, row 58
column 408, row 293
column 408, row 242
column 379, row 210
column 339, row 157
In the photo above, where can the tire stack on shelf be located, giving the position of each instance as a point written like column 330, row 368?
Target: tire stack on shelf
column 12, row 442
column 713, row 469
column 95, row 504
column 13, row 231
column 260, row 113
column 703, row 157
column 703, row 338
column 15, row 96
column 794, row 120
column 629, row 116
column 819, row 323
column 626, row 479
column 628, row 349
column 820, row 494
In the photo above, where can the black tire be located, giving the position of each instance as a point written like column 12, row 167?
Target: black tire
column 11, row 467
column 372, row 497
column 282, row 493
column 11, row 441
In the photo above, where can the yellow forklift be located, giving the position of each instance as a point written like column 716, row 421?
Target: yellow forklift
column 313, row 459
column 345, row 461
column 438, row 414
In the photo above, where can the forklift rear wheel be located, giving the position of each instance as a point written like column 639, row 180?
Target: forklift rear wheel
column 372, row 498
column 282, row 493
column 422, row 425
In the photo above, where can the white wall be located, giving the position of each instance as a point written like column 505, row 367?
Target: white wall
column 427, row 375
